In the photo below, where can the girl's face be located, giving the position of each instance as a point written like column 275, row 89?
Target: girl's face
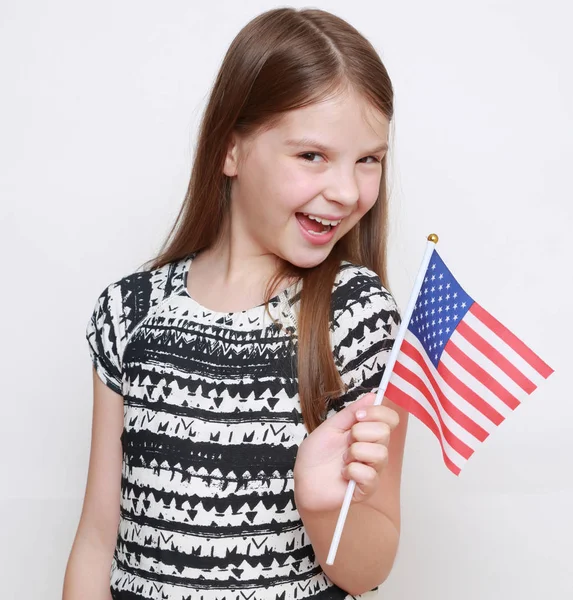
column 299, row 187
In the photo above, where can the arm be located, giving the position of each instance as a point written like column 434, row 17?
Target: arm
column 371, row 532
column 89, row 563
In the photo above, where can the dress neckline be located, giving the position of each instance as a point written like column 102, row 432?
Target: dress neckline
column 276, row 299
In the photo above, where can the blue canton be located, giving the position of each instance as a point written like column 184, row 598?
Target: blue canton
column 441, row 305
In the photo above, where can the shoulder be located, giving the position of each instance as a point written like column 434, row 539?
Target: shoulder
column 364, row 324
column 362, row 309
column 128, row 300
column 357, row 289
column 120, row 307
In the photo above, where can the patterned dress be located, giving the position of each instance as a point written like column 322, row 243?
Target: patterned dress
column 212, row 424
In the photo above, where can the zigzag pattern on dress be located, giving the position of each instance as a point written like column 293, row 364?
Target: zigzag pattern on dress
column 212, row 425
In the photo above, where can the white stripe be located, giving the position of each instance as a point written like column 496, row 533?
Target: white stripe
column 419, row 398
column 476, row 386
column 458, row 401
column 486, row 364
column 452, row 425
column 123, row 580
column 229, row 433
column 492, row 338
column 167, row 481
column 162, row 539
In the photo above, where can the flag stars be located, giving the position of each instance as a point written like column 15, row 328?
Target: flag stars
column 440, row 287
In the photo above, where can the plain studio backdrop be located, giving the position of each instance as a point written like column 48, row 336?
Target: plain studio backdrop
column 100, row 104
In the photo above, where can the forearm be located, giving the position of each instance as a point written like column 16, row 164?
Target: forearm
column 88, row 569
column 366, row 551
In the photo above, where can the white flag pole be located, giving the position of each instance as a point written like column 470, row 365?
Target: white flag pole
column 432, row 241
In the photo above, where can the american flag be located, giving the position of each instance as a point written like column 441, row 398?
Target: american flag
column 459, row 370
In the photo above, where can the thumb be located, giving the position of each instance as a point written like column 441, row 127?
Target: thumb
column 346, row 418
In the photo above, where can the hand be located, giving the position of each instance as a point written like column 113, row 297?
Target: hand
column 345, row 446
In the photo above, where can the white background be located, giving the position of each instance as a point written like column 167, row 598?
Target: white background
column 99, row 107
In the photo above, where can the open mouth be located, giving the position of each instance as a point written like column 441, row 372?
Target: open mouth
column 316, row 225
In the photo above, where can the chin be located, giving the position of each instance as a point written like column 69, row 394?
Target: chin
column 307, row 260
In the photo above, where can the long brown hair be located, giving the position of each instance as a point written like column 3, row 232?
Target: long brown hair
column 282, row 60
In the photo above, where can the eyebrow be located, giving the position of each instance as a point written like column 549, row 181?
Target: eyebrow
column 323, row 148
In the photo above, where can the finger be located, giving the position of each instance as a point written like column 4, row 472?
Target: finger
column 344, row 419
column 373, row 455
column 366, row 479
column 378, row 413
column 371, row 431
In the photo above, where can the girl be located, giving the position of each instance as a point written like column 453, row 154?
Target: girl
column 233, row 376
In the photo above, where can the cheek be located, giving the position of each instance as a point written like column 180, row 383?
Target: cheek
column 365, row 203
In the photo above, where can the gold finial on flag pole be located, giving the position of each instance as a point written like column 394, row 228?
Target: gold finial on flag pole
column 433, row 238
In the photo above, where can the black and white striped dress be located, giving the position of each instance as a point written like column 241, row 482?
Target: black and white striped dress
column 212, row 424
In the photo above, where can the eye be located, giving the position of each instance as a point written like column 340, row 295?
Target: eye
column 376, row 160
column 309, row 154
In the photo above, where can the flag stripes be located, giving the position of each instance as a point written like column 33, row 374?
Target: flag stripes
column 483, row 374
column 512, row 341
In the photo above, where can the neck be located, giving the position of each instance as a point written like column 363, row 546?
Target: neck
column 234, row 260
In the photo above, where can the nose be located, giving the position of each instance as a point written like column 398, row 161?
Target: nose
column 342, row 188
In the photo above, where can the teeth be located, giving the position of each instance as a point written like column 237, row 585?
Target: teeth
column 323, row 221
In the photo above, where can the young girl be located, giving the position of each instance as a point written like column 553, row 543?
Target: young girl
column 233, row 377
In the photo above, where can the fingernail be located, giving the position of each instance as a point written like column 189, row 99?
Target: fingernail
column 360, row 414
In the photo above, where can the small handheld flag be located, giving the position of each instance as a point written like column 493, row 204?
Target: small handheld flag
column 460, row 371
column 454, row 366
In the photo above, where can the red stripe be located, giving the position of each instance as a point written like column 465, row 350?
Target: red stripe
column 408, row 403
column 495, row 356
column 469, row 395
column 454, row 442
column 460, row 388
column 451, row 409
column 481, row 375
column 511, row 340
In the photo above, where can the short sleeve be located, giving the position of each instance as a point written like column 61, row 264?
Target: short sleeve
column 103, row 333
column 364, row 326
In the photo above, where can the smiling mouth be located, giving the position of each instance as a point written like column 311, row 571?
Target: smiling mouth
column 316, row 225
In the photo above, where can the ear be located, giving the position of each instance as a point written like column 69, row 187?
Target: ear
column 232, row 157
